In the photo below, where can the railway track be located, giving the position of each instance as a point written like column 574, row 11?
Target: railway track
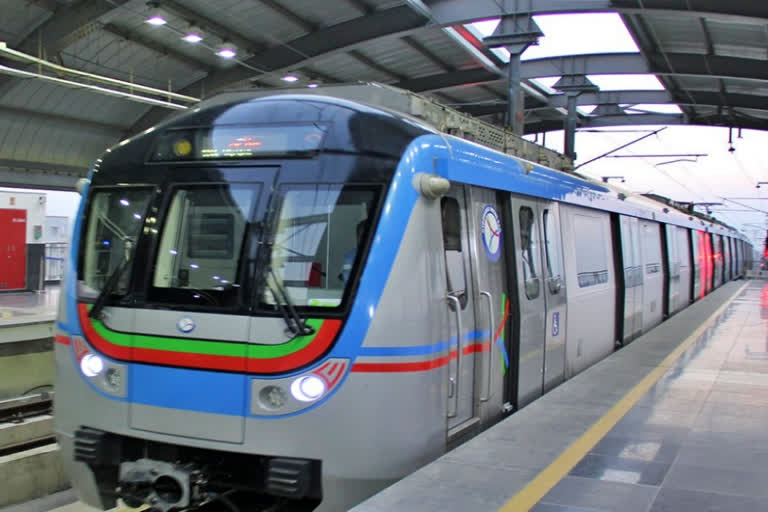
column 20, row 410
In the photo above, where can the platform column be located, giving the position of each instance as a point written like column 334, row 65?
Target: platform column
column 515, row 34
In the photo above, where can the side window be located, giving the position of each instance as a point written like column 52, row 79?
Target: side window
column 452, row 248
column 651, row 243
column 591, row 261
column 528, row 246
column 551, row 251
column 682, row 247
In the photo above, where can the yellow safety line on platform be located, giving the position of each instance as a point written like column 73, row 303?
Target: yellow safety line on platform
column 532, row 493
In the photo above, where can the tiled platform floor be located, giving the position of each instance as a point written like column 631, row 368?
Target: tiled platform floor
column 698, row 440
column 692, row 441
column 21, row 307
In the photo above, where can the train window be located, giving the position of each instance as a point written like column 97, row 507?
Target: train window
column 454, row 260
column 115, row 219
column 591, row 260
column 551, row 251
column 199, row 250
column 651, row 244
column 318, row 242
column 528, row 246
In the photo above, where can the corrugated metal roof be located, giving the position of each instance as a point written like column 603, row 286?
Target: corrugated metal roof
column 19, row 18
column 248, row 18
column 348, row 69
column 52, row 142
column 322, row 13
column 678, row 35
column 106, row 54
column 397, row 56
column 741, row 40
column 75, row 103
column 438, row 42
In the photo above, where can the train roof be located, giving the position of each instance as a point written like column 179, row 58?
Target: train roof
column 521, row 176
column 366, row 127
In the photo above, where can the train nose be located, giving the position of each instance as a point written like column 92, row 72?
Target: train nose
column 161, row 485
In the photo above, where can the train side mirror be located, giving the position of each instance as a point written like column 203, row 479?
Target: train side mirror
column 431, row 186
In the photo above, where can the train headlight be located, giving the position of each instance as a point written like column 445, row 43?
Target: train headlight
column 308, row 388
column 287, row 395
column 91, row 365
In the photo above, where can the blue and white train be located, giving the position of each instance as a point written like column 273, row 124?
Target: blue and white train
column 290, row 302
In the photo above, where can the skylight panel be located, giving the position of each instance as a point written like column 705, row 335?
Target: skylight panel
column 653, row 109
column 627, row 82
column 569, row 34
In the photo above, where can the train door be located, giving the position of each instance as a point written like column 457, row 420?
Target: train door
column 554, row 295
column 526, row 217
column 492, row 305
column 461, row 303
column 697, row 265
column 728, row 262
column 672, row 275
column 686, row 272
column 633, row 278
column 652, row 278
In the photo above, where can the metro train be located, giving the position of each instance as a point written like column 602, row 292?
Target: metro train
column 289, row 302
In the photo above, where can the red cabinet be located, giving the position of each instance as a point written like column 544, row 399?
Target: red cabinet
column 13, row 253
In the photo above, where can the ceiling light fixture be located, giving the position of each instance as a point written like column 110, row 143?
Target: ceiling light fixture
column 290, row 78
column 156, row 16
column 313, row 85
column 226, row 51
column 193, row 35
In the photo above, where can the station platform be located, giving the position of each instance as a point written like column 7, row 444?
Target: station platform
column 27, row 325
column 677, row 420
column 674, row 421
column 24, row 307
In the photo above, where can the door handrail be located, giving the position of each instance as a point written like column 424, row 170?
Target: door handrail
column 490, row 345
column 457, row 305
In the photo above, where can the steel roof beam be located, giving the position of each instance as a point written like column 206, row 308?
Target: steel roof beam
column 302, row 51
column 156, row 47
column 602, row 64
column 455, row 12
column 290, row 15
column 709, row 99
column 361, row 6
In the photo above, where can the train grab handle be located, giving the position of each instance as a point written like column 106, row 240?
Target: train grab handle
column 454, row 392
column 491, row 330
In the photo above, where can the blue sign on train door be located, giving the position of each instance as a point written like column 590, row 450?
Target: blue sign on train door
column 555, row 324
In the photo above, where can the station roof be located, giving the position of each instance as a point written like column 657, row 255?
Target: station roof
column 708, row 55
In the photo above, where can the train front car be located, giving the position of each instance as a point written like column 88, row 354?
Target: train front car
column 225, row 271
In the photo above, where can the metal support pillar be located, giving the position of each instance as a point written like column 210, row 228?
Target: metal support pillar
column 515, row 34
column 573, row 86
column 570, row 127
column 516, row 101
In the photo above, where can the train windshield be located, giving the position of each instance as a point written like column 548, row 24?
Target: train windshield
column 198, row 259
column 317, row 241
column 115, row 221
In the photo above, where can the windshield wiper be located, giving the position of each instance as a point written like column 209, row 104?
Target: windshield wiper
column 112, row 281
column 293, row 319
